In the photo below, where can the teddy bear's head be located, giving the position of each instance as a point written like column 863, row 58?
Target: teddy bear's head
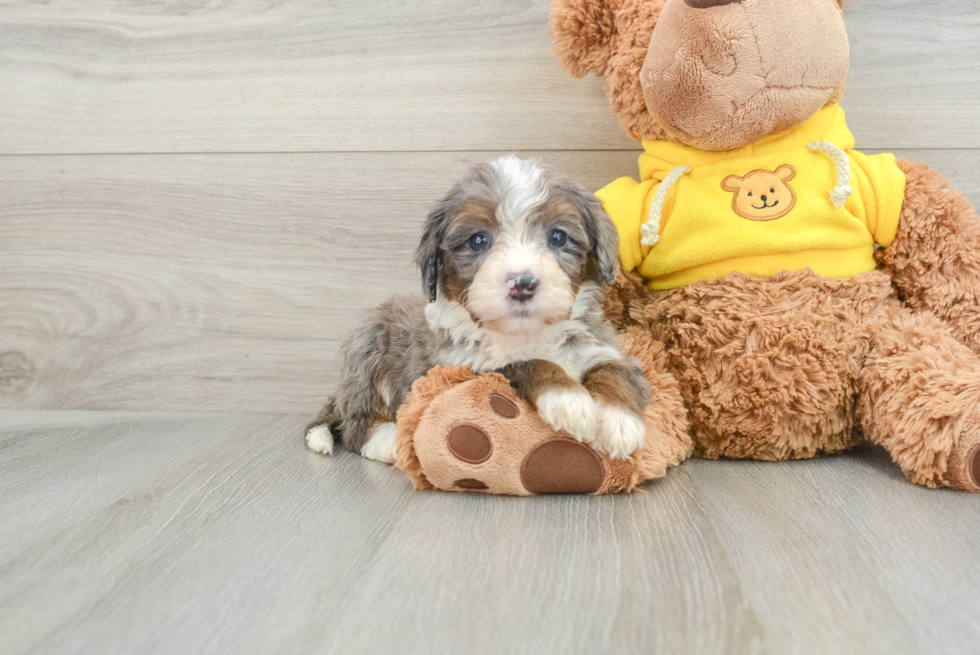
column 713, row 74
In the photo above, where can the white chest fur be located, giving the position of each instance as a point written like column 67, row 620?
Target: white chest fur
column 571, row 344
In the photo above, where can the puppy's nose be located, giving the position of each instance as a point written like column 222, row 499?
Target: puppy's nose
column 704, row 4
column 522, row 286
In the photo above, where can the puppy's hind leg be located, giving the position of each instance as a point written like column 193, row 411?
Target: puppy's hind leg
column 320, row 434
column 382, row 443
column 361, row 415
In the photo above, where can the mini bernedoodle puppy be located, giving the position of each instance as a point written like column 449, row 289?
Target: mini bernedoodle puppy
column 515, row 261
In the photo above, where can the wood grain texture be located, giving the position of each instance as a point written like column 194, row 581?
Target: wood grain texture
column 114, row 269
column 202, row 282
column 225, row 281
column 157, row 533
column 373, row 75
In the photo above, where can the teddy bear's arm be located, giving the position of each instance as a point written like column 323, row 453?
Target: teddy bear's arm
column 935, row 257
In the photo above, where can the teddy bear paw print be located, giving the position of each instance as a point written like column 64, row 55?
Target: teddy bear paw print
column 557, row 463
column 479, row 436
column 963, row 470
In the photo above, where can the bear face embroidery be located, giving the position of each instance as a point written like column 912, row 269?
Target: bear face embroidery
column 762, row 195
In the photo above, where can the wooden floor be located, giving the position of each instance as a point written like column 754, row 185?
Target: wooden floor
column 197, row 199
column 207, row 533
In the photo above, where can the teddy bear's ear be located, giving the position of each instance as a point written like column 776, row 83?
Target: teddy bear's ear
column 786, row 173
column 732, row 183
column 582, row 32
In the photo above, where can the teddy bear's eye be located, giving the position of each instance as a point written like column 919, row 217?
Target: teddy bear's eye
column 750, row 194
column 772, row 191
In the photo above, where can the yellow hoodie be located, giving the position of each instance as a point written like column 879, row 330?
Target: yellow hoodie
column 796, row 200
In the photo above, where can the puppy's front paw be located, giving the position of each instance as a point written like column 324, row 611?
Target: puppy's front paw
column 569, row 410
column 621, row 432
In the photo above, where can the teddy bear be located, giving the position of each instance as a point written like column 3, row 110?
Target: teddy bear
column 806, row 297
column 787, row 295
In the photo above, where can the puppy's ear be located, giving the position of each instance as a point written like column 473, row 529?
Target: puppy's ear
column 428, row 256
column 603, row 237
column 582, row 32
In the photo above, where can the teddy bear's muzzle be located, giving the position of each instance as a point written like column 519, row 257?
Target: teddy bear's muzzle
column 722, row 74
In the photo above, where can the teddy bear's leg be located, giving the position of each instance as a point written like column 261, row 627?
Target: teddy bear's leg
column 480, row 436
column 459, row 431
column 920, row 399
column 668, row 437
column 935, row 258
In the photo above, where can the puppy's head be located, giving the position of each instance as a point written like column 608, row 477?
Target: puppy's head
column 513, row 242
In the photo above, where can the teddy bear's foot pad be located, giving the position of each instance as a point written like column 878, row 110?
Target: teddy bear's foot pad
column 562, row 466
column 965, row 474
column 477, row 435
column 556, row 466
column 471, row 484
column 974, row 467
column 964, row 462
column 469, row 444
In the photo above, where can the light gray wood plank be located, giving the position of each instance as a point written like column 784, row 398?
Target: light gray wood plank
column 222, row 534
column 374, row 75
column 891, row 553
column 275, row 76
column 198, row 523
column 114, row 269
column 910, row 85
column 90, row 460
column 203, row 282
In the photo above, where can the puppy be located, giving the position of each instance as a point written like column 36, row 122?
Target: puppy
column 514, row 260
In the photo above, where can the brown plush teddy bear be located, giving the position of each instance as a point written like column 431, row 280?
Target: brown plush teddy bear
column 749, row 243
column 786, row 294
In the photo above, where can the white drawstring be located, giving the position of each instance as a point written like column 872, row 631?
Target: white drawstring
column 651, row 230
column 839, row 194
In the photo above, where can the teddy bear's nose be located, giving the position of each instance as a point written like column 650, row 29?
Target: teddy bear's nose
column 765, row 198
column 704, row 4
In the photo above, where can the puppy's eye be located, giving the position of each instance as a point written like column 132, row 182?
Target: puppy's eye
column 557, row 238
column 479, row 241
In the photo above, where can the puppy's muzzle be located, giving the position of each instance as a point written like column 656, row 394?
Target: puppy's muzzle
column 522, row 286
